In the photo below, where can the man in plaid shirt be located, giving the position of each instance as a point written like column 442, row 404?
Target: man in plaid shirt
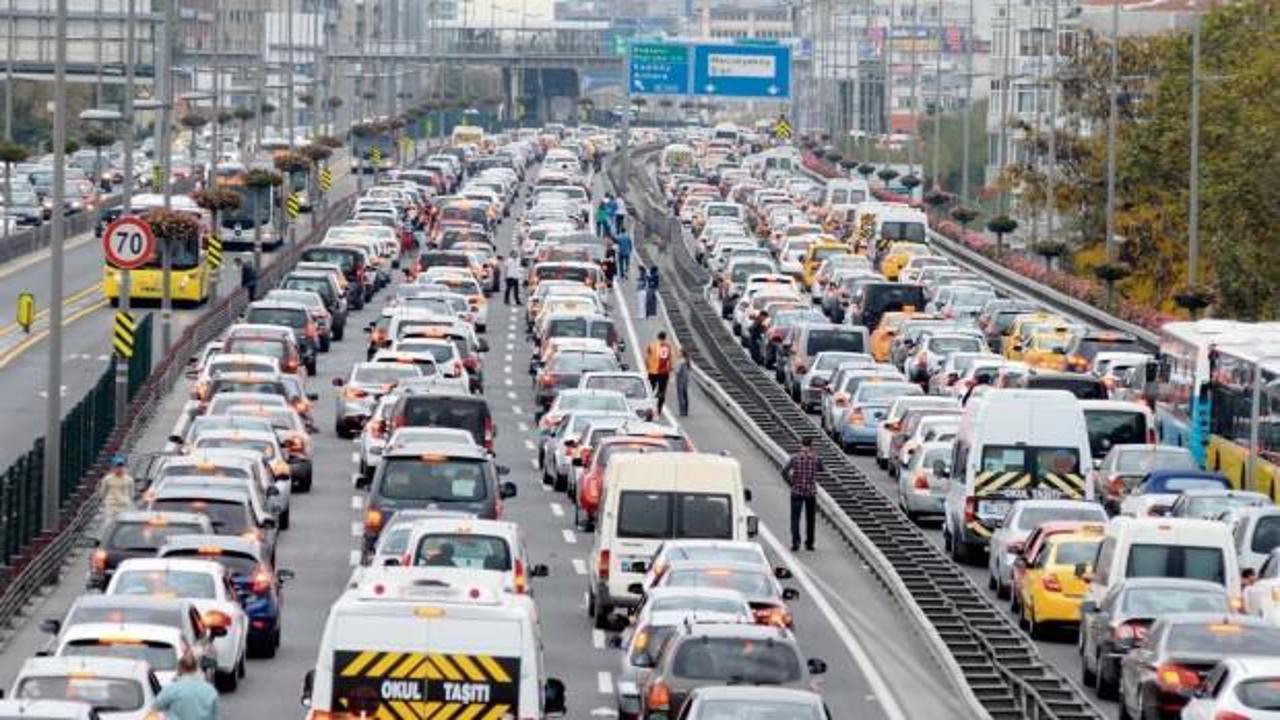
column 801, row 473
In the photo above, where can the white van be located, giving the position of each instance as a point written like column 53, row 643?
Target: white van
column 1163, row 547
column 845, row 191
column 402, row 638
column 1013, row 444
column 653, row 498
column 1117, row 422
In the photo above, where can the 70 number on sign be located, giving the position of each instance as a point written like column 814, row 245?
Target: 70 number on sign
column 128, row 242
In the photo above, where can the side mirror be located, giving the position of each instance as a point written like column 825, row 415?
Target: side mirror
column 507, row 490
column 1248, row 577
column 284, row 576
column 816, row 666
column 273, row 491
column 313, row 396
column 790, row 594
column 782, row 573
column 269, row 523
column 553, row 698
column 51, row 626
column 753, row 526
column 636, row 588
column 502, row 469
column 482, row 345
column 746, row 494
column 539, row 570
column 308, row 682
column 177, row 439
column 1088, row 607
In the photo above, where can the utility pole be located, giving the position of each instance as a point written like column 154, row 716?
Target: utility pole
column 937, row 103
column 915, row 89
column 215, row 150
column 1112, row 120
column 164, row 71
column 288, row 77
column 1052, row 179
column 51, row 500
column 1006, row 84
column 1193, row 209
column 886, row 52
column 126, row 199
column 968, row 109
column 97, row 92
column 8, row 79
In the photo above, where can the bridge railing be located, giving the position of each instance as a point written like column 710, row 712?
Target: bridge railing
column 488, row 42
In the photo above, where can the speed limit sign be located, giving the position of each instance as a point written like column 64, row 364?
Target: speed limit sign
column 128, row 242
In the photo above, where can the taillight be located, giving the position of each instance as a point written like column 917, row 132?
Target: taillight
column 1174, row 677
column 98, row 561
column 376, row 428
column 488, row 432
column 548, row 380
column 1129, row 633
column 1115, row 485
column 261, row 582
column 1228, row 715
column 602, row 565
column 295, row 445
column 857, row 418
column 1051, row 583
column 590, row 493
column 291, row 365
column 379, row 336
column 457, row 369
column 311, row 330
column 522, row 581
column 921, row 483
column 372, row 521
column 970, row 509
column 471, row 363
column 842, row 399
column 399, row 421
column 658, row 697
column 777, row 616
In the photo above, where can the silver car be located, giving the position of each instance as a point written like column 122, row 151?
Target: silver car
column 921, row 490
column 633, row 385
column 361, row 390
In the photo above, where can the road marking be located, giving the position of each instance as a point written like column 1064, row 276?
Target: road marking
column 635, row 348
column 357, row 502
column 355, row 458
column 508, row 383
column 511, row 346
column 516, row 409
column 569, row 536
column 557, row 509
column 522, row 426
column 62, row 392
column 357, row 529
column 506, row 369
column 507, row 357
column 534, row 463
column 604, row 682
column 528, row 445
column 857, row 653
column 355, row 558
column 511, row 395
column 580, row 567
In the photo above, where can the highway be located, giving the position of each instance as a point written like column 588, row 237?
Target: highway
column 878, row 668
column 86, row 323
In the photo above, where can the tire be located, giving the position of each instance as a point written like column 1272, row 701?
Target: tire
column 304, row 485
column 311, row 367
column 227, row 682
column 284, row 520
column 1107, row 688
column 240, row 669
column 1035, row 629
column 338, row 333
column 1088, row 678
column 1002, row 590
column 600, row 618
column 1124, row 710
column 341, row 431
column 991, row 581
column 325, row 342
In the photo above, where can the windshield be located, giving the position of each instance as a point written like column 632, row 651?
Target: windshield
column 755, row 709
column 178, row 583
column 910, row 231
column 475, row 552
column 632, row 387
column 1223, row 639
column 1114, row 427
column 954, row 344
column 162, row 657
column 277, row 316
column 592, row 401
column 1164, row 600
column 750, row 584
column 884, row 393
column 576, row 363
column 104, row 694
column 448, row 412
column 1032, row 517
column 185, row 254
column 828, row 340
column 227, row 518
column 661, row 515
column 240, row 565
column 1038, row 460
column 735, row 660
column 269, row 348
column 142, row 536
column 261, row 446
column 254, row 209
column 1213, row 506
column 1266, row 536
column 1144, row 461
column 442, row 480
column 1260, row 693
column 1177, row 561
column 386, row 373
column 698, row 602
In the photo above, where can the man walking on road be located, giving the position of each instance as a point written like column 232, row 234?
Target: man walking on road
column 624, row 253
column 801, row 473
column 248, row 278
column 513, row 273
column 659, row 359
column 619, row 214
column 188, row 696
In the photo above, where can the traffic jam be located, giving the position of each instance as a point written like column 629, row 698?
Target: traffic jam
column 1023, row 436
column 187, row 598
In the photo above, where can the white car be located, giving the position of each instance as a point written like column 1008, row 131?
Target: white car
column 161, row 646
column 893, row 418
column 208, row 585
column 1245, row 687
column 1262, row 596
column 120, row 688
column 633, row 385
column 468, row 548
column 48, row 710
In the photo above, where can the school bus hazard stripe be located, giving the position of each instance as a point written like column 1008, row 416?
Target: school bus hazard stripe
column 411, row 661
column 426, row 709
column 354, row 667
column 495, row 670
column 380, row 670
column 402, row 710
column 497, row 712
column 446, row 667
column 471, row 712
column 446, row 712
column 426, row 670
column 473, row 673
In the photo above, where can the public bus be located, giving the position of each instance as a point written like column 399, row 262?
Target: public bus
column 1244, row 391
column 190, row 274
column 467, row 135
column 257, row 208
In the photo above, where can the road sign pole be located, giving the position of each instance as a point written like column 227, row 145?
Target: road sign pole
column 124, row 288
column 52, row 479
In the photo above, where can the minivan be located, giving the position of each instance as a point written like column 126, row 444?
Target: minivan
column 1162, row 547
column 422, row 405
column 876, row 299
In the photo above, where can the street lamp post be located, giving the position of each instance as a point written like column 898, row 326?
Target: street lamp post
column 126, row 199
column 1051, row 180
column 1112, row 121
column 52, row 477
column 1193, row 208
column 165, row 76
column 123, row 285
column 968, row 109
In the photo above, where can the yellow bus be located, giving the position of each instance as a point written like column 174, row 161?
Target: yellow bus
column 467, row 135
column 189, row 279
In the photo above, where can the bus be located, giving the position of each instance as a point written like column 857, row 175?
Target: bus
column 190, row 274
column 467, row 135
column 257, row 208
column 1244, row 413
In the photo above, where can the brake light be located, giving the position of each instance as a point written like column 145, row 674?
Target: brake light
column 1174, row 677
column 456, row 369
column 98, row 561
column 372, row 521
column 970, row 509
column 1228, row 715
column 353, row 393
column 261, row 582
column 376, row 428
column 921, row 483
column 776, row 616
column 301, row 405
column 857, row 418
column 548, row 380
column 295, row 444
column 1051, row 583
column 471, row 363
column 216, row 618
column 291, row 365
column 842, row 399
column 1115, row 485
column 488, row 432
column 379, row 336
column 399, row 421
column 522, row 581
column 602, row 565
column 311, row 331
column 659, row 697
column 800, row 367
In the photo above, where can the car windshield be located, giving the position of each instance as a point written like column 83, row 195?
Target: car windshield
column 434, row 479
column 954, row 344
column 384, row 373
column 269, row 348
column 827, row 340
column 737, row 660
column 1039, row 460
column 1178, row 485
column 591, row 401
column 583, row 362
column 162, row 657
column 142, row 536
column 1074, row 553
column 175, row 583
column 267, row 387
column 660, row 515
column 228, row 518
column 1032, row 517
column 103, row 694
column 1164, row 600
column 1223, row 639
column 1266, row 536
column 239, row 564
column 633, row 388
column 1261, row 693
column 1142, row 461
column 1212, row 506
column 755, row 709
column 1114, row 427
column 698, row 602
column 751, row 584
column 884, row 393
column 277, row 316
column 439, row 352
column 463, row 550
column 1177, row 561
column 266, row 447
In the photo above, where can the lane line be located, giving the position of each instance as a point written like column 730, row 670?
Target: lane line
column 604, row 682
column 557, row 509
column 357, row 529
column 580, row 568
column 528, row 445
column 511, row 395
column 508, row 382
column 569, row 536
column 357, row 502
column 516, row 409
column 354, row 560
column 522, row 426
column 533, row 462
column 355, row 458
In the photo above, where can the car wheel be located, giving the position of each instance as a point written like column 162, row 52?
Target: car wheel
column 284, row 520
column 304, row 484
column 324, row 344
column 601, row 616
column 337, row 334
column 341, row 431
column 240, row 669
column 226, row 682
column 1034, row 629
column 311, row 367
column 991, row 579
column 1106, row 687
column 1088, row 676
column 561, row 483
column 1124, row 710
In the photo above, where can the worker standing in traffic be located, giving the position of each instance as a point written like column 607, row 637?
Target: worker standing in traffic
column 188, row 696
column 610, row 207
column 609, row 265
column 248, row 278
column 651, row 285
column 659, row 360
column 117, row 488
column 623, row 240
column 513, row 274
column 801, row 473
column 602, row 219
column 755, row 336
column 619, row 214
column 682, row 383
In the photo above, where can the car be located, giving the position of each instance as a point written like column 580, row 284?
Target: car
column 715, row 654
column 116, row 688
column 559, row 448
column 1237, row 688
column 1161, row 675
column 712, row 703
column 138, row 533
column 296, row 317
column 1050, row 588
column 361, row 390
column 633, row 385
column 757, row 583
column 1117, row 473
column 48, row 710
column 394, row 540
column 461, row 549
column 1262, row 591
column 160, row 646
column 1159, row 488
column 1257, row 533
column 258, row 585
column 1008, row 540
column 292, row 434
column 211, row 588
column 1216, row 504
column 1112, row 628
column 426, row 404
column 590, row 486
column 921, row 489
column 867, row 406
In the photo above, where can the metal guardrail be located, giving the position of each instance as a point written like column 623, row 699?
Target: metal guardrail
column 1000, row 665
column 39, row 563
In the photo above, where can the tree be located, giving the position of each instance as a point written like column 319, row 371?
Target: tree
column 291, row 162
column 216, row 200
column 865, row 170
column 964, row 215
column 911, row 182
column 1001, row 225
column 171, row 226
column 887, row 175
column 329, row 141
column 1049, row 249
column 334, row 102
column 1111, row 273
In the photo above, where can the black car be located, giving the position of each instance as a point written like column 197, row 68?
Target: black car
column 425, row 404
column 25, row 209
column 326, row 287
column 294, row 316
column 352, row 262
column 138, row 534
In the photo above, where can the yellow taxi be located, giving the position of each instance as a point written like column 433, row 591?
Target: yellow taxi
column 826, row 246
column 1019, row 332
column 898, row 255
column 1051, row 591
column 882, row 337
column 1047, row 347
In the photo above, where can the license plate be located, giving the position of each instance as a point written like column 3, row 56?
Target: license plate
column 994, row 508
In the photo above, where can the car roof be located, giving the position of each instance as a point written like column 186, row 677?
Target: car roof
column 757, row 693
column 447, row 449
column 101, row 665
column 750, row 631
column 195, row 492
column 233, row 543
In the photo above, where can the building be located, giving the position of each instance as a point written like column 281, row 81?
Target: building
column 96, row 39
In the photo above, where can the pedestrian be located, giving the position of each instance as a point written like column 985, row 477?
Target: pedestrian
column 619, row 214
column 755, row 335
column 642, row 289
column 248, row 277
column 610, row 265
column 512, row 272
column 602, row 219
column 117, row 488
column 610, row 209
column 801, row 473
column 652, row 282
column 624, row 253
column 189, row 696
column 682, row 383
column 659, row 360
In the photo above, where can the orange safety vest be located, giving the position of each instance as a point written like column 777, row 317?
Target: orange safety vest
column 659, row 357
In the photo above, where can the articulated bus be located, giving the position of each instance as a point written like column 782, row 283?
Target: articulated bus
column 189, row 279
column 1205, row 396
column 257, row 207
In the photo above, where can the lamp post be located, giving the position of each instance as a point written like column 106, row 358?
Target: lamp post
column 123, row 285
column 1193, row 206
column 52, row 470
column 1112, row 121
column 968, row 108
column 126, row 197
